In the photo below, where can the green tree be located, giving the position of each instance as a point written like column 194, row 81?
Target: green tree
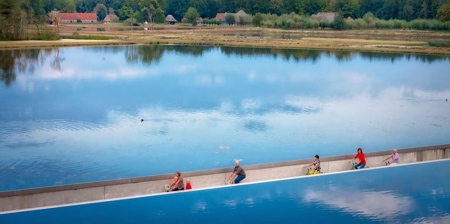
column 423, row 13
column 390, row 9
column 276, row 7
column 230, row 18
column 153, row 9
column 101, row 11
column 177, row 8
column 257, row 19
column 86, row 5
column 11, row 20
column 310, row 7
column 201, row 6
column 70, row 7
column 191, row 15
column 443, row 13
column 38, row 8
column 407, row 13
column 339, row 22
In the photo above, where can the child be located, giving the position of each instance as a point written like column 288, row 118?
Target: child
column 188, row 184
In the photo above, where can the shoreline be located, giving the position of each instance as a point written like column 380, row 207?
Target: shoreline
column 382, row 41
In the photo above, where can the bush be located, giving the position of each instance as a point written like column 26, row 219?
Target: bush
column 129, row 22
column 257, row 19
column 47, row 34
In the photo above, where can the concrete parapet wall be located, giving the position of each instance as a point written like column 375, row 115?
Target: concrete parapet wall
column 51, row 198
column 97, row 191
column 432, row 154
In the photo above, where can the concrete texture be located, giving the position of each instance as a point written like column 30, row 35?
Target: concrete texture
column 51, row 198
column 85, row 192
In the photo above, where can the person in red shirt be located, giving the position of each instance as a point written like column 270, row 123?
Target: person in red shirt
column 188, row 185
column 362, row 159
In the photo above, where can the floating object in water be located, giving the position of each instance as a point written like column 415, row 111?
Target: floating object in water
column 224, row 147
column 142, row 120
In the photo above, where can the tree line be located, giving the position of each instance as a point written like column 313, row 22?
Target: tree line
column 383, row 9
column 17, row 16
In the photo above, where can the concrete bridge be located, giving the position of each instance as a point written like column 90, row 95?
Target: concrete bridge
column 115, row 189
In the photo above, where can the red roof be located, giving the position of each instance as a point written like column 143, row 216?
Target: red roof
column 221, row 16
column 75, row 16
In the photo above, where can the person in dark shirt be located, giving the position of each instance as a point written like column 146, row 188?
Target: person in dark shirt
column 238, row 172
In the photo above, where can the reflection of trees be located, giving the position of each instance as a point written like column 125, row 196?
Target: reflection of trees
column 145, row 54
column 26, row 61
column 397, row 56
column 190, row 50
column 313, row 55
column 105, row 49
column 57, row 60
column 7, row 74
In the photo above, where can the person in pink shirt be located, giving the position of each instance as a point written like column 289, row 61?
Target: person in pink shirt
column 395, row 158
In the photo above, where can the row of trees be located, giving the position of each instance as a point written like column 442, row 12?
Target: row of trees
column 368, row 21
column 384, row 9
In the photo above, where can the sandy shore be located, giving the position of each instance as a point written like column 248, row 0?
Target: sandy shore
column 368, row 40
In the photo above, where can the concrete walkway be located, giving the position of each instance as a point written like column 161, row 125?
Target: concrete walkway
column 114, row 189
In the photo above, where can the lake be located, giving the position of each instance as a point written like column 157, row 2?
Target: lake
column 81, row 114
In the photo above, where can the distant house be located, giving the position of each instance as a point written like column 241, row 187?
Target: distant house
column 74, row 17
column 110, row 18
column 200, row 21
column 324, row 16
column 241, row 15
column 170, row 20
column 222, row 18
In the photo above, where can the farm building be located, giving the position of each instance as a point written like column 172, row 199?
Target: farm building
column 74, row 17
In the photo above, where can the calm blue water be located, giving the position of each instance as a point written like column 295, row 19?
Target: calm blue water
column 73, row 115
column 402, row 194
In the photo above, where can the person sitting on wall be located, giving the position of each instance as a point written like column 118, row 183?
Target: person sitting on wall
column 177, row 184
column 361, row 159
column 314, row 167
column 238, row 172
column 395, row 158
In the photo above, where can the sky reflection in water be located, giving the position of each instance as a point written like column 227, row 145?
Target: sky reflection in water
column 74, row 114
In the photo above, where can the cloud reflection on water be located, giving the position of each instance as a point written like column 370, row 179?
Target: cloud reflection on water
column 381, row 205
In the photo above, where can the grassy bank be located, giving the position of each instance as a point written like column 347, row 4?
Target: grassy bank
column 362, row 40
